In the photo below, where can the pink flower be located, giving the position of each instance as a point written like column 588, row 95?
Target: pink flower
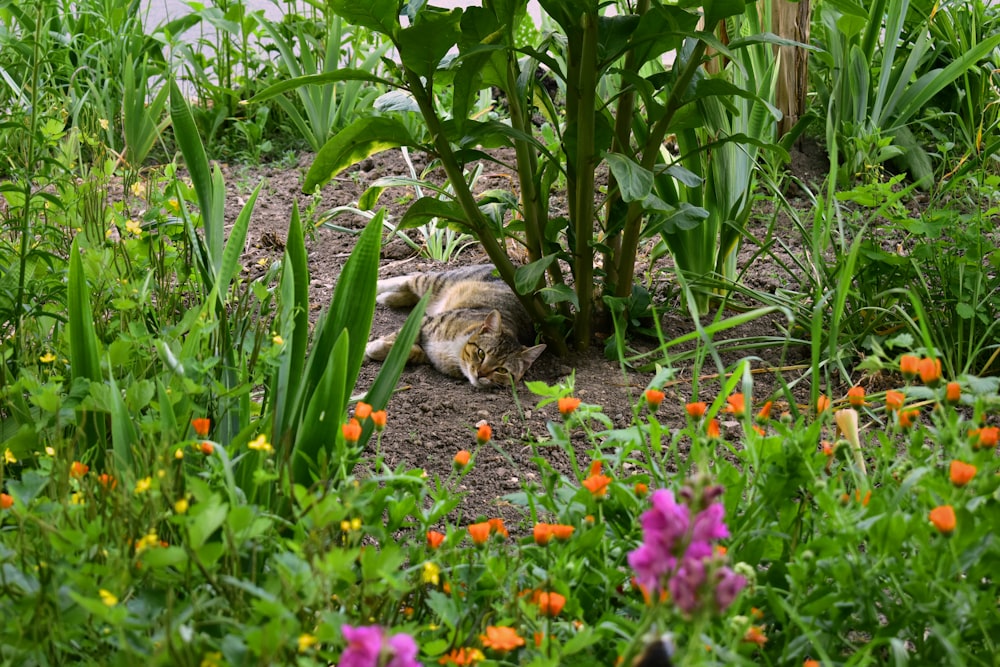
column 727, row 586
column 366, row 645
column 663, row 527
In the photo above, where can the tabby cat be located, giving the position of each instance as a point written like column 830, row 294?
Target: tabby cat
column 474, row 325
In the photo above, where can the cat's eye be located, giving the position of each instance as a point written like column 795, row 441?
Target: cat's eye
column 480, row 353
column 502, row 371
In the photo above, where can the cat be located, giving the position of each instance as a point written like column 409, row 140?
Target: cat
column 474, row 326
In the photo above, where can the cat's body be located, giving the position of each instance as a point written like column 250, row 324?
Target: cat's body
column 474, row 326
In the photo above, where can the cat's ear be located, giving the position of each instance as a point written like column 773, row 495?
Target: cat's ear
column 530, row 354
column 492, row 322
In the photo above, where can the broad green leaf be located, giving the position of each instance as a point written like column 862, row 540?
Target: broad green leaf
column 424, row 44
column 634, row 181
column 527, row 278
column 237, row 239
column 716, row 10
column 381, row 16
column 362, row 138
column 205, row 519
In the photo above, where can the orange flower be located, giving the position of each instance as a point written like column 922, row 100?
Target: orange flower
column 864, row 501
column 856, row 396
column 736, row 405
column 712, row 429
column 434, row 539
column 654, row 397
column 765, row 412
column 953, row 393
column 986, row 437
column 78, row 470
column 597, row 485
column 697, row 409
column 562, row 532
column 6, row 501
column 811, row 663
column 595, row 467
column 480, row 532
column 908, row 417
column 501, row 639
column 107, row 481
column 909, row 366
column 961, row 473
column 943, row 518
column 207, row 448
column 894, row 400
column 484, row 433
column 567, row 405
column 351, row 430
column 755, row 635
column 930, row 371
column 828, row 448
column 641, row 489
column 462, row 458
column 550, row 604
column 822, row 404
column 542, row 533
column 379, row 418
column 362, row 410
column 462, row 656
column 201, row 426
column 496, row 526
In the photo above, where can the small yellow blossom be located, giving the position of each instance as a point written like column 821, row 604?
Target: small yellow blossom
column 260, row 444
column 277, row 340
column 108, row 598
column 47, row 358
column 355, row 523
column 50, row 451
column 431, row 574
column 306, row 642
column 345, row 525
column 181, row 506
column 263, row 261
column 151, row 539
column 137, row 188
column 143, row 485
column 212, row 660
column 178, row 453
column 104, row 123
column 161, row 473
column 133, row 227
column 173, row 206
column 76, row 499
column 8, row 456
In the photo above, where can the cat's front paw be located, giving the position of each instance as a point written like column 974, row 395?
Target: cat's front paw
column 377, row 350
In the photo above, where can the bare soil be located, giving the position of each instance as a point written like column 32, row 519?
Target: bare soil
column 431, row 416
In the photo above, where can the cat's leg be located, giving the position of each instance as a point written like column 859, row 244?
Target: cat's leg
column 396, row 292
column 378, row 350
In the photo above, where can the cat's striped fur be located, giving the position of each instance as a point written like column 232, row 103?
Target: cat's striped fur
column 474, row 326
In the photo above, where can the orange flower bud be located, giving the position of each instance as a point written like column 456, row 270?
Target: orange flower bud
column 894, row 400
column 765, row 412
column 736, row 405
column 542, row 533
column 961, row 473
column 641, row 490
column 6, row 501
column 654, row 397
column 201, row 426
column 379, row 418
column 597, row 485
column 207, row 448
column 811, row 663
column 856, row 396
column 550, row 604
column 496, row 525
column 696, row 410
column 865, row 499
column 952, row 393
column 986, row 437
column 480, row 532
column 712, row 429
column 595, row 467
column 909, row 366
column 930, row 371
column 907, row 418
column 107, row 481
column 462, row 458
column 434, row 539
column 362, row 410
column 755, row 635
column 484, row 433
column 78, row 470
column 351, row 430
column 568, row 405
column 943, row 518
column 828, row 448
column 562, row 532
column 822, row 404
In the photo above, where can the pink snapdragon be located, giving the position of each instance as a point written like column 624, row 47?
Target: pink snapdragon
column 370, row 646
column 678, row 552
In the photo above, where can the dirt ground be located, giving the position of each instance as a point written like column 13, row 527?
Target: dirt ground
column 432, row 416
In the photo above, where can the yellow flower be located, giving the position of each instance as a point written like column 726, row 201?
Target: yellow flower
column 137, row 188
column 306, row 642
column 178, row 454
column 173, row 206
column 181, row 506
column 260, row 444
column 355, row 523
column 151, row 539
column 142, row 486
column 50, row 451
column 8, row 456
column 277, row 340
column 104, row 123
column 212, row 660
column 345, row 525
column 133, row 227
column 47, row 358
column 76, row 498
column 108, row 597
column 431, row 574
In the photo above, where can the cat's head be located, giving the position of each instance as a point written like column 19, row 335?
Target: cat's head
column 493, row 358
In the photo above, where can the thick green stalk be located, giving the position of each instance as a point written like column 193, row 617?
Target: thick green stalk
column 583, row 196
column 537, row 308
column 650, row 153
column 527, row 168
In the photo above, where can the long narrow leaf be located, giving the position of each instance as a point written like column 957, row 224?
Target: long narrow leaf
column 83, row 354
column 322, row 417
